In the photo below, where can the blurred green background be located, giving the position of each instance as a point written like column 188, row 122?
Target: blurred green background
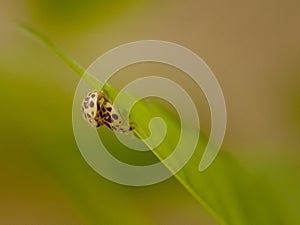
column 252, row 47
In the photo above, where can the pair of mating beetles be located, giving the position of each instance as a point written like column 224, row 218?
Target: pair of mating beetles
column 98, row 111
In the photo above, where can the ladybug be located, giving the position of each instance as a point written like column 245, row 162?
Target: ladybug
column 98, row 111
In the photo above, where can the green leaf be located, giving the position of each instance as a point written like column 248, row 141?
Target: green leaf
column 233, row 193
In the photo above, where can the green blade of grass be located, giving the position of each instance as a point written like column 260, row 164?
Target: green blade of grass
column 76, row 67
column 228, row 190
column 72, row 63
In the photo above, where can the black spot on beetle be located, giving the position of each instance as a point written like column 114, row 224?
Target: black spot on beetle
column 109, row 109
column 106, row 115
column 108, row 119
column 92, row 104
column 107, row 124
column 115, row 116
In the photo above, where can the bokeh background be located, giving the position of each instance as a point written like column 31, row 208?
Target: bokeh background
column 252, row 47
